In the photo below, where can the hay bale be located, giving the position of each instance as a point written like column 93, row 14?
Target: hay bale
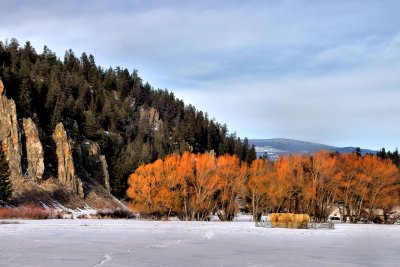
column 306, row 218
column 289, row 220
column 273, row 217
column 298, row 218
column 283, row 217
column 290, row 217
column 282, row 224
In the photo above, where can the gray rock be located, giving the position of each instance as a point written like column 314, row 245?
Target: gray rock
column 9, row 134
column 34, row 150
column 65, row 162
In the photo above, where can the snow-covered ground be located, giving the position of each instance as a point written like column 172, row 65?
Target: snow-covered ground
column 174, row 243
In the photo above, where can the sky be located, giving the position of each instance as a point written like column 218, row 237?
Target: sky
column 323, row 71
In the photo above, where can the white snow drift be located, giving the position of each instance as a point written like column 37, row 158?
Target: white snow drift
column 174, row 243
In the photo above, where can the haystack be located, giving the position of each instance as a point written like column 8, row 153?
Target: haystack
column 289, row 220
column 273, row 217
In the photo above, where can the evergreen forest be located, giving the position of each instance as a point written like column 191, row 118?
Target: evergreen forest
column 133, row 123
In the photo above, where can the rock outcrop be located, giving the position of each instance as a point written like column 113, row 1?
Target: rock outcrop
column 104, row 169
column 9, row 134
column 65, row 162
column 34, row 150
column 152, row 117
column 76, row 170
column 94, row 163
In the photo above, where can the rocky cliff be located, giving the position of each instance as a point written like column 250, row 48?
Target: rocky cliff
column 95, row 165
column 65, row 161
column 76, row 174
column 9, row 133
column 34, row 150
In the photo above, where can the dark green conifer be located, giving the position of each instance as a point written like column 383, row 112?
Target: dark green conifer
column 5, row 183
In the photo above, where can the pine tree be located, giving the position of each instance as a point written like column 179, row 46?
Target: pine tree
column 5, row 184
column 358, row 151
column 396, row 158
column 90, row 125
column 251, row 155
column 25, row 90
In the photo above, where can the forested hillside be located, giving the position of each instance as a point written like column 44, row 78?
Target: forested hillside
column 132, row 122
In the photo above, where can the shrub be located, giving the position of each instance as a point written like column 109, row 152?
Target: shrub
column 115, row 214
column 31, row 212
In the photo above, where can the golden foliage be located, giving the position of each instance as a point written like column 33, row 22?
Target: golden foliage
column 195, row 186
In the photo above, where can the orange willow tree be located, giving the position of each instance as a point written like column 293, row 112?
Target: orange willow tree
column 194, row 186
column 204, row 187
column 188, row 186
column 313, row 184
column 321, row 169
column 366, row 184
column 381, row 182
column 231, row 175
column 260, row 185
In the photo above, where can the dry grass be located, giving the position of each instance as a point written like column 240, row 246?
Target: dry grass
column 31, row 212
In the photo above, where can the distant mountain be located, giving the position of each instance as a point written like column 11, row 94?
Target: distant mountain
column 281, row 146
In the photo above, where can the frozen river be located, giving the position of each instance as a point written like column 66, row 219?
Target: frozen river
column 149, row 243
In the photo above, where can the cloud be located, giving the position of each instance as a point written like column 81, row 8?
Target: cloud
column 370, row 51
column 342, row 108
column 316, row 70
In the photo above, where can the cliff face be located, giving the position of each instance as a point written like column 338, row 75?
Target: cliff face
column 74, row 176
column 153, row 119
column 65, row 161
column 9, row 134
column 90, row 158
column 34, row 150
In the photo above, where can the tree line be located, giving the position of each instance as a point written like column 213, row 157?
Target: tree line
column 194, row 186
column 132, row 122
column 393, row 156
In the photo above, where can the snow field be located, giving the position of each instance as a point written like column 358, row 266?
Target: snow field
column 174, row 243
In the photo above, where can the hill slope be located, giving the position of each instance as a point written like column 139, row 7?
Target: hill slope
column 129, row 121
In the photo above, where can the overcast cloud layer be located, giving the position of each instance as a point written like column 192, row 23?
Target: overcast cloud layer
column 323, row 71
